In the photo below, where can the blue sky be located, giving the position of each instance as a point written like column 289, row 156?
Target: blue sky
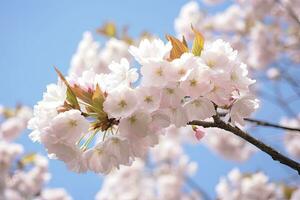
column 36, row 35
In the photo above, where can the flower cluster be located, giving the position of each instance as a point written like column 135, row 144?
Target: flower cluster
column 89, row 55
column 162, row 176
column 19, row 181
column 99, row 121
column 264, row 31
column 13, row 121
column 255, row 186
column 22, row 176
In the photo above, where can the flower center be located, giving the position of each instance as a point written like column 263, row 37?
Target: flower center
column 72, row 122
column 193, row 82
column 115, row 140
column 99, row 151
column 182, row 71
column 210, row 63
column 159, row 71
column 170, row 90
column 132, row 119
column 148, row 99
column 197, row 103
column 122, row 104
column 234, row 77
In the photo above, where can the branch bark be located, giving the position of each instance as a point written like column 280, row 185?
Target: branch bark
column 268, row 124
column 277, row 156
column 265, row 123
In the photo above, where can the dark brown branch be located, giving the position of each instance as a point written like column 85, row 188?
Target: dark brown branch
column 265, row 123
column 203, row 124
column 268, row 124
column 218, row 123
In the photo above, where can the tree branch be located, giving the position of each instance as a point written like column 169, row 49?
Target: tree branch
column 218, row 123
column 290, row 11
column 265, row 123
column 268, row 124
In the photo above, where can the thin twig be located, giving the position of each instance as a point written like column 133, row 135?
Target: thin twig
column 218, row 123
column 264, row 123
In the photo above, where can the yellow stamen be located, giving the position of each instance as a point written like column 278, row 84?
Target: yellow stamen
column 170, row 90
column 182, row 71
column 73, row 123
column 193, row 82
column 148, row 99
column 159, row 71
column 132, row 119
column 122, row 104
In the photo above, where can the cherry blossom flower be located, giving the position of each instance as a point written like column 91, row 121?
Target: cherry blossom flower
column 182, row 66
column 68, row 127
column 122, row 74
column 255, row 186
column 200, row 109
column 171, row 96
column 242, row 108
column 89, row 55
column 147, row 50
column 155, row 73
column 114, row 50
column 197, row 83
column 149, row 98
column 121, row 102
column 11, row 128
column 14, row 122
column 234, row 16
column 189, row 14
column 135, row 125
column 45, row 110
column 105, row 155
column 164, row 179
column 28, row 180
column 177, row 85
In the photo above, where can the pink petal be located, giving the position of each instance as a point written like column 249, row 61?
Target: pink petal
column 199, row 134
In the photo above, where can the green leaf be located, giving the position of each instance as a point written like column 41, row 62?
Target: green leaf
column 198, row 43
column 71, row 97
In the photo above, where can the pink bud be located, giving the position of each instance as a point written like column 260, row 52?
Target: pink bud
column 199, row 134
